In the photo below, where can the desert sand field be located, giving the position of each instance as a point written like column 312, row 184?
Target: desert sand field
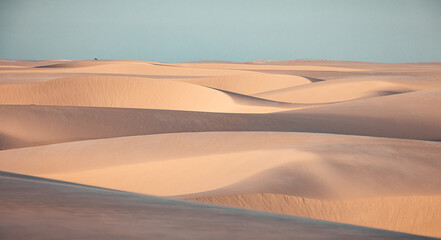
column 302, row 149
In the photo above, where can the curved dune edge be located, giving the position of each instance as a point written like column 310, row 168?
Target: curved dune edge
column 132, row 92
column 249, row 83
column 345, row 90
column 40, row 125
column 177, row 176
column 410, row 214
column 413, row 115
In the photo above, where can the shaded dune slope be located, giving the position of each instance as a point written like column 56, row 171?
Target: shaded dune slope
column 38, row 125
column 413, row 115
column 107, row 214
column 249, row 83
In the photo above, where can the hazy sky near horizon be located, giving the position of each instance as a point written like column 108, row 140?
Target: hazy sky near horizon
column 232, row 30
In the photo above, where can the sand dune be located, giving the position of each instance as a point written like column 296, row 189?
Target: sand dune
column 135, row 68
column 334, row 169
column 129, row 92
column 346, row 89
column 414, row 214
column 76, row 64
column 245, row 66
column 414, row 115
column 30, row 63
column 250, row 83
column 348, row 142
column 39, row 125
column 241, row 164
column 84, row 212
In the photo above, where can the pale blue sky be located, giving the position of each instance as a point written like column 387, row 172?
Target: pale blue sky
column 234, row 30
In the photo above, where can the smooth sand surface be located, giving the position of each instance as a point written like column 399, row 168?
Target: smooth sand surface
column 346, row 142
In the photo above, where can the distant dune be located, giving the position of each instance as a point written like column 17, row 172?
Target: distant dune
column 348, row 142
column 245, row 66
